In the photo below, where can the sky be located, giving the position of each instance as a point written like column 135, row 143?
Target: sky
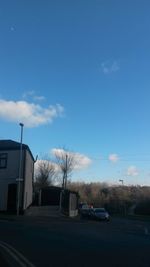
column 77, row 74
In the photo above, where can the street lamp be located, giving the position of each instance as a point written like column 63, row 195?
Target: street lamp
column 122, row 181
column 20, row 170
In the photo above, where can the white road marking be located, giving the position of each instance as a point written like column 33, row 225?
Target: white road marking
column 16, row 255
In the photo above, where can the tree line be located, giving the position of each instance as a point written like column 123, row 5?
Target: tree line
column 116, row 199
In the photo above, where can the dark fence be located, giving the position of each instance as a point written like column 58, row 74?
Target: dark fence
column 50, row 196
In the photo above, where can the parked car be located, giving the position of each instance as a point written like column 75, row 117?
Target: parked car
column 84, row 210
column 83, row 207
column 99, row 214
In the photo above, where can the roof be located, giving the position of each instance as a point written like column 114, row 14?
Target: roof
column 13, row 145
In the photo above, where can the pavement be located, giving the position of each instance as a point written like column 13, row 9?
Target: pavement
column 65, row 242
column 48, row 211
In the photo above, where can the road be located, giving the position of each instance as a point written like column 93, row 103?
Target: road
column 55, row 242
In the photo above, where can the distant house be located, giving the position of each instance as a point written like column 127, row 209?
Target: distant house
column 9, row 174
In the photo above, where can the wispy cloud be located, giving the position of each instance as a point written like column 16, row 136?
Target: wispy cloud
column 110, row 66
column 113, row 158
column 32, row 115
column 80, row 161
column 32, row 95
column 28, row 94
column 12, row 28
column 132, row 171
column 39, row 98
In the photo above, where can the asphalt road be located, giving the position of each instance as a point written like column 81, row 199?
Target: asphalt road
column 67, row 242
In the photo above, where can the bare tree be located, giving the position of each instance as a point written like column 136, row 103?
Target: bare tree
column 45, row 174
column 66, row 162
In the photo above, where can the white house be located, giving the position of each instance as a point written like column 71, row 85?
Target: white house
column 9, row 174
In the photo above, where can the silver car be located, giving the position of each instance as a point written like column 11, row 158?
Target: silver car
column 99, row 214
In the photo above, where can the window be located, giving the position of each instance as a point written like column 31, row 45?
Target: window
column 3, row 160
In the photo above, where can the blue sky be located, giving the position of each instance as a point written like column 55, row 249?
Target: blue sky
column 77, row 73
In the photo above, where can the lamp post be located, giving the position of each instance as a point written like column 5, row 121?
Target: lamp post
column 20, row 170
column 122, row 181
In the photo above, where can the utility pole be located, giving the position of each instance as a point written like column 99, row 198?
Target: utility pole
column 66, row 173
column 20, row 170
column 121, row 181
column 63, row 183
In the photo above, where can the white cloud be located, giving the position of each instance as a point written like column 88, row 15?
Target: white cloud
column 113, row 158
column 32, row 115
column 81, row 161
column 132, row 171
column 32, row 95
column 110, row 66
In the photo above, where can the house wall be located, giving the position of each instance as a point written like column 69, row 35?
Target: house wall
column 28, row 182
column 8, row 175
column 12, row 170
